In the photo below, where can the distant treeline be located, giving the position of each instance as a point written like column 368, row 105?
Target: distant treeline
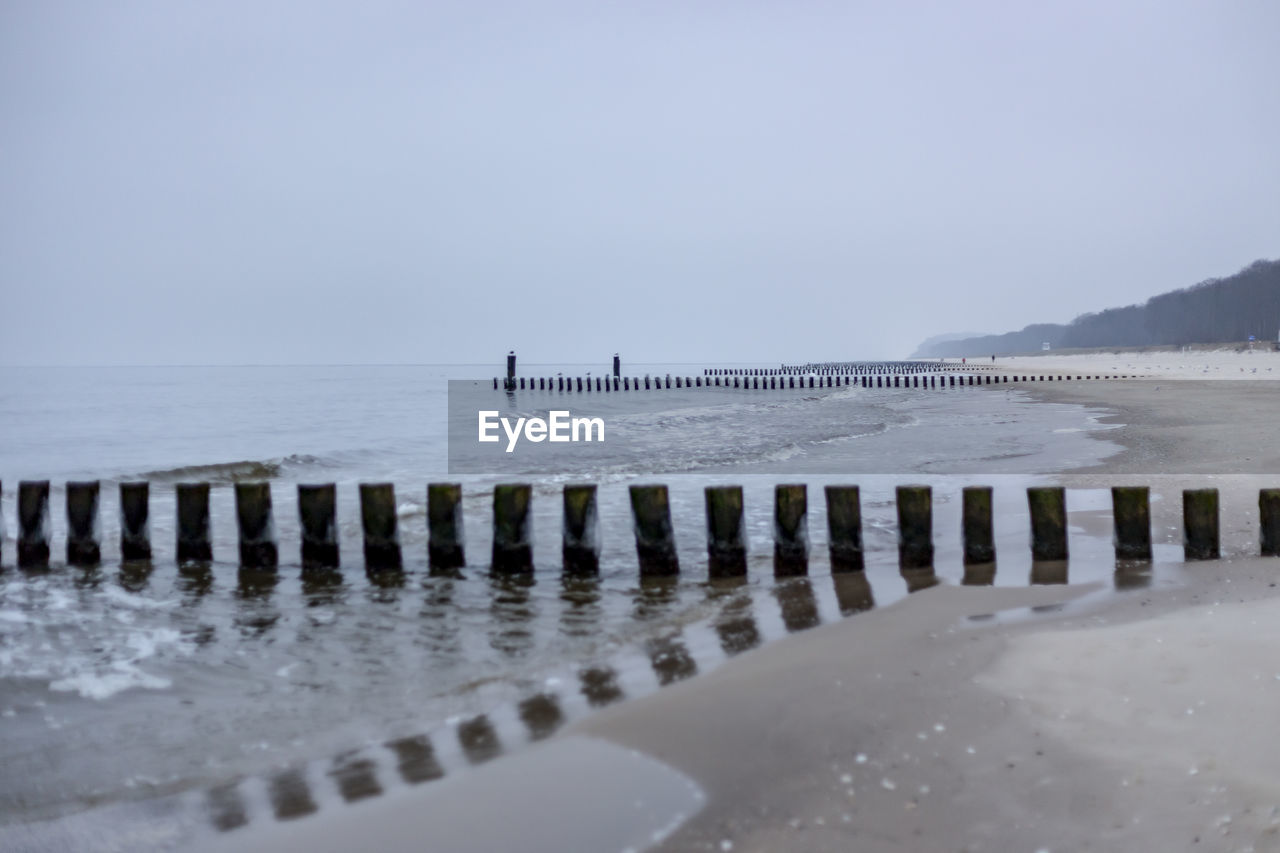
column 1213, row 311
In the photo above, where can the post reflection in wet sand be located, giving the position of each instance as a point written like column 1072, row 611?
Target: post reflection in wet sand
column 670, row 659
column 226, row 807
column 918, row 579
column 653, row 597
column 512, row 613
column 88, row 578
column 736, row 624
column 416, row 759
column 323, row 588
column 355, row 776
column 290, row 795
column 799, row 607
column 580, row 617
column 1133, row 574
column 1049, row 572
column 438, row 625
column 134, row 577
column 194, row 582
column 256, row 615
column 479, row 740
column 853, row 592
column 979, row 574
column 600, row 686
column 542, row 715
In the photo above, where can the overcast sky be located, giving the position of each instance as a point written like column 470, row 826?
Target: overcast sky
column 259, row 182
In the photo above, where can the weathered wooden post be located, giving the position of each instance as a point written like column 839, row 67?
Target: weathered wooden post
column 34, row 529
column 617, row 366
column 135, row 518
column 193, row 522
column 82, row 524
column 1269, row 521
column 512, row 551
column 976, row 527
column 790, row 530
column 915, row 527
column 1200, row 524
column 1048, row 505
column 256, row 526
column 726, row 545
column 445, row 531
column 511, row 370
column 318, row 517
column 1131, row 509
column 655, row 541
column 844, row 528
column 378, row 518
column 580, row 548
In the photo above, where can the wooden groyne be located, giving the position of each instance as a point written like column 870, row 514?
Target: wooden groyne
column 655, row 544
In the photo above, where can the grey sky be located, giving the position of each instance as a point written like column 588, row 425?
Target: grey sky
column 260, row 182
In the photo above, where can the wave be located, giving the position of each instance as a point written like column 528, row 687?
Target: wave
column 246, row 469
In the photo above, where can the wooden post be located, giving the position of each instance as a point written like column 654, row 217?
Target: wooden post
column 445, row 531
column 512, row 552
column 617, row 366
column 318, row 518
column 726, row 545
column 511, row 370
column 915, row 527
column 1200, row 524
column 1269, row 521
column 655, row 542
column 82, row 524
column 381, row 536
column 978, row 535
column 1131, row 509
column 790, row 530
column 193, row 522
column 580, row 548
column 256, row 526
column 1048, row 505
column 34, row 529
column 844, row 528
column 135, row 518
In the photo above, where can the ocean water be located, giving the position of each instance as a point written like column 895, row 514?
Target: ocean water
column 202, row 696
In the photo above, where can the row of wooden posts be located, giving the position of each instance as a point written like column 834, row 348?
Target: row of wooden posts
column 655, row 542
column 916, row 380
column 852, row 368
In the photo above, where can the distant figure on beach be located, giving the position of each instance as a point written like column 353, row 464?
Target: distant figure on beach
column 964, row 361
column 993, row 359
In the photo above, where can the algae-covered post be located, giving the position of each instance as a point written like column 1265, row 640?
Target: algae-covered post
column 445, row 539
column 915, row 527
column 33, row 523
column 844, row 528
column 378, row 518
column 1048, row 506
column 135, row 516
column 318, row 515
column 976, row 526
column 726, row 545
column 1200, row 524
column 256, row 526
column 655, row 541
column 580, row 547
column 82, row 524
column 790, row 530
column 193, row 522
column 1131, row 509
column 512, row 551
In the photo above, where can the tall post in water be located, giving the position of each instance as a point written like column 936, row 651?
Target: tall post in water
column 1131, row 509
column 445, row 539
column 318, row 515
column 511, row 370
column 580, row 547
column 726, row 545
column 915, row 527
column 512, row 552
column 193, row 522
column 82, row 524
column 256, row 526
column 378, row 518
column 976, row 527
column 617, row 366
column 844, row 528
column 790, row 530
column 1269, row 521
column 1048, row 505
column 655, row 541
column 33, row 523
column 135, row 521
column 1200, row 524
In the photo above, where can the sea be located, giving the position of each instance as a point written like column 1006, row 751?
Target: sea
column 142, row 705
